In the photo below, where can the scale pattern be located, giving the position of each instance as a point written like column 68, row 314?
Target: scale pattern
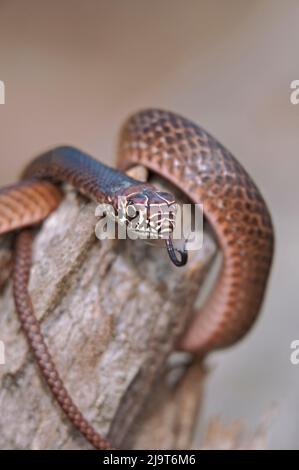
column 193, row 160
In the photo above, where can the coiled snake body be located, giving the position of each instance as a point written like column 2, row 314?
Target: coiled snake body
column 207, row 173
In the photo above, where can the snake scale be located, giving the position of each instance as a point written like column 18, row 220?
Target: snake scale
column 206, row 172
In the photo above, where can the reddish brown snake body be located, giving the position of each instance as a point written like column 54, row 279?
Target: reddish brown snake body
column 207, row 173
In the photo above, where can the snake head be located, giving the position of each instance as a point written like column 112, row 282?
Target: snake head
column 147, row 212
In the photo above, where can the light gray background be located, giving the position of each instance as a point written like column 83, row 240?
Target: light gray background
column 73, row 71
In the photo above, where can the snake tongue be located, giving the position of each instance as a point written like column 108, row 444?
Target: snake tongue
column 172, row 253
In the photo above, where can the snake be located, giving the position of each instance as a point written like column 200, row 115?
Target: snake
column 196, row 163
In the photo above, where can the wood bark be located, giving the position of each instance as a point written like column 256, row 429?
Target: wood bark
column 111, row 312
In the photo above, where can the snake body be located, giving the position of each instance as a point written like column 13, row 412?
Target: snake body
column 194, row 161
column 206, row 172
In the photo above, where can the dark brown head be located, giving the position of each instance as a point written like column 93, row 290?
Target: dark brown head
column 147, row 212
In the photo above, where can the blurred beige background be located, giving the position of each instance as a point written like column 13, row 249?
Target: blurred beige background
column 74, row 70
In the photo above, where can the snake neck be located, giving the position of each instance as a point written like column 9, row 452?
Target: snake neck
column 93, row 179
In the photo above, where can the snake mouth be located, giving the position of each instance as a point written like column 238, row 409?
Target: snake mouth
column 155, row 225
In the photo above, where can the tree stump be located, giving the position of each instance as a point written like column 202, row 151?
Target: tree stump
column 111, row 312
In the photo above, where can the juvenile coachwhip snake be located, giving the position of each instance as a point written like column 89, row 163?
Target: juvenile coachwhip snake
column 195, row 162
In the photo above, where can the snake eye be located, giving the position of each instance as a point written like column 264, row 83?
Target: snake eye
column 130, row 210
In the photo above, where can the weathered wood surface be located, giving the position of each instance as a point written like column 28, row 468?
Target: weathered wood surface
column 111, row 313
